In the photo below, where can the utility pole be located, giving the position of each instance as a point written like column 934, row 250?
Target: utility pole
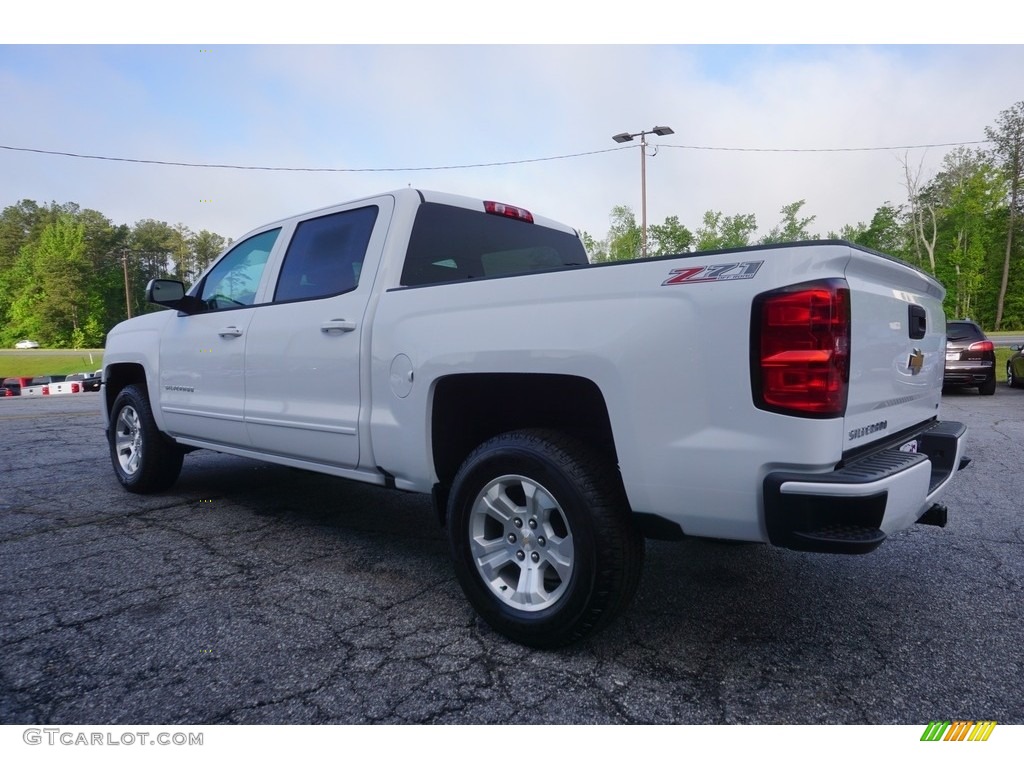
column 127, row 293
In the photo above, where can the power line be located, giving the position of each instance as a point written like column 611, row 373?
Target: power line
column 310, row 170
column 832, row 149
column 183, row 164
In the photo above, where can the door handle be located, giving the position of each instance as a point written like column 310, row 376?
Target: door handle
column 339, row 325
column 229, row 331
column 917, row 321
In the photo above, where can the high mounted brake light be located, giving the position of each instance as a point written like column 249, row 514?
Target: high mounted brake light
column 800, row 349
column 510, row 211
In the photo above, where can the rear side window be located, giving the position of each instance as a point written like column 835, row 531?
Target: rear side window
column 325, row 256
column 449, row 243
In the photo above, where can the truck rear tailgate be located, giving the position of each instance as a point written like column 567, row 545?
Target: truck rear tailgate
column 896, row 454
column 896, row 349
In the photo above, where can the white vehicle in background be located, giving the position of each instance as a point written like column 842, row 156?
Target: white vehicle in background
column 558, row 412
column 26, row 344
column 44, row 386
column 74, row 384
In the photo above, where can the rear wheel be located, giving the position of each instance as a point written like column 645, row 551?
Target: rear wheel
column 542, row 539
column 989, row 387
column 145, row 460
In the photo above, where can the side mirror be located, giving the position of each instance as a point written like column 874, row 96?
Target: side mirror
column 171, row 294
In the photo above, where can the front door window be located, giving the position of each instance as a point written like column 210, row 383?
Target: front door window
column 235, row 279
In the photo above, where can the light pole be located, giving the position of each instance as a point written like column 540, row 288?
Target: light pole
column 621, row 138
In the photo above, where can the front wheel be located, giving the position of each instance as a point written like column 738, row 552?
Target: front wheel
column 541, row 536
column 1011, row 380
column 145, row 460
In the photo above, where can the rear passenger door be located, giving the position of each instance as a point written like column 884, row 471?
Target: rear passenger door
column 303, row 362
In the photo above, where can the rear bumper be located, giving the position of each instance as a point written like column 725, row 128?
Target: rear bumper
column 853, row 508
column 974, row 372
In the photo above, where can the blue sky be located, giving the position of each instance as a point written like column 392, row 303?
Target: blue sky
column 408, row 105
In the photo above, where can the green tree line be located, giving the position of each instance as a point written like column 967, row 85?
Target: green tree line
column 964, row 225
column 68, row 275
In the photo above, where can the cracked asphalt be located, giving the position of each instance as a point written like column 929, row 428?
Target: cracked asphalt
column 256, row 594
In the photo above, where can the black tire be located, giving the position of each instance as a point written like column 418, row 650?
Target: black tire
column 989, row 387
column 145, row 460
column 1011, row 380
column 570, row 564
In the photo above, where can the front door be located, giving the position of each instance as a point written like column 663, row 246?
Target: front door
column 202, row 355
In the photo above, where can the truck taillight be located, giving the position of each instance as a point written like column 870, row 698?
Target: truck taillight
column 800, row 349
column 75, row 388
column 981, row 346
column 509, row 211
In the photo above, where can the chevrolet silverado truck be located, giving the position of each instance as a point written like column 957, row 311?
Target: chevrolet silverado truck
column 559, row 412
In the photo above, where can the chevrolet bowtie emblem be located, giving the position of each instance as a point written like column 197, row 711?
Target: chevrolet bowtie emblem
column 916, row 362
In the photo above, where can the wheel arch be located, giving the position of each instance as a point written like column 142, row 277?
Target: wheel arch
column 468, row 409
column 118, row 376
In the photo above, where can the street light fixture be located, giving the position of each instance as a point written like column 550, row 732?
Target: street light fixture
column 622, row 138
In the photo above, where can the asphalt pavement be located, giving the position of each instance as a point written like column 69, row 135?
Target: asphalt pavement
column 257, row 594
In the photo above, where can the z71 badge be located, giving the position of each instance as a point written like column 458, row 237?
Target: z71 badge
column 743, row 270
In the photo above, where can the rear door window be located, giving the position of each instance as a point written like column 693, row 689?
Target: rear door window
column 325, row 256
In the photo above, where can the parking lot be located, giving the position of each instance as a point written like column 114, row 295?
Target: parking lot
column 257, row 594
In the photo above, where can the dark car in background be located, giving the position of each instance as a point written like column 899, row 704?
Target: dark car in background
column 970, row 357
column 1015, row 368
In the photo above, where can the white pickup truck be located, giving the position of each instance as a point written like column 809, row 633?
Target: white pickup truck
column 51, row 385
column 559, row 412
